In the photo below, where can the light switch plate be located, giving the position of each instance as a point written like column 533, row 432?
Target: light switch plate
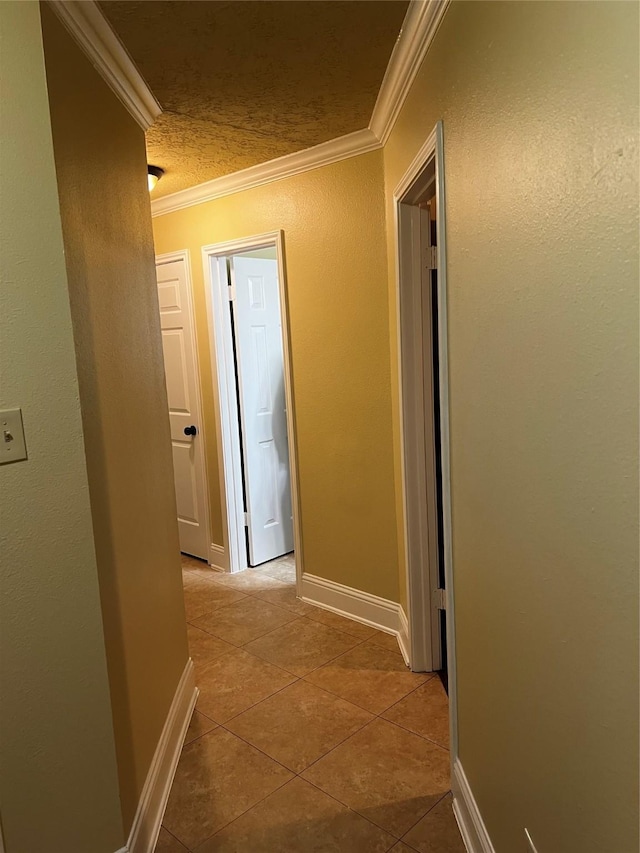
column 13, row 447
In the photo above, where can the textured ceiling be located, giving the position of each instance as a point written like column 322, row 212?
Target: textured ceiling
column 243, row 82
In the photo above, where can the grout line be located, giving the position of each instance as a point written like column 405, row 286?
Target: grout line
column 235, row 717
column 297, row 678
column 396, row 838
column 246, row 811
column 411, row 732
column 430, row 809
column 270, row 631
column 258, row 749
column 175, row 837
column 330, row 660
column 355, row 811
column 334, row 747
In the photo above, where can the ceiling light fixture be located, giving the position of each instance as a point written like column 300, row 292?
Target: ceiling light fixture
column 154, row 173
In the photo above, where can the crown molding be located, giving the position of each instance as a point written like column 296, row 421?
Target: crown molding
column 350, row 145
column 418, row 30
column 88, row 26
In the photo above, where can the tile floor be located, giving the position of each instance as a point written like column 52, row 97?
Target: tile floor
column 309, row 735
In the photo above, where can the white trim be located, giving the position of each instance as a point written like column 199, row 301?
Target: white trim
column 153, row 800
column 355, row 604
column 225, row 409
column 185, row 256
column 228, row 429
column 403, row 637
column 350, row 145
column 218, row 558
column 474, row 832
column 412, row 422
column 93, row 33
column 418, row 31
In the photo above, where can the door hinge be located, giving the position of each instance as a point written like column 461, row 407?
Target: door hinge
column 231, row 292
column 246, row 519
column 432, row 257
column 440, row 599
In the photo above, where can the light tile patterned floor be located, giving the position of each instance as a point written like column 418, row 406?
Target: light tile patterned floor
column 310, row 734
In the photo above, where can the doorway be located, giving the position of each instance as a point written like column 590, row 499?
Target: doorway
column 422, row 327
column 247, row 310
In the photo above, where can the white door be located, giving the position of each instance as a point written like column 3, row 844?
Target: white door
column 260, row 364
column 180, row 365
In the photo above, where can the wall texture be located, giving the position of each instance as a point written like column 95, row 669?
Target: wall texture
column 101, row 167
column 540, row 109
column 58, row 785
column 333, row 222
column 539, row 103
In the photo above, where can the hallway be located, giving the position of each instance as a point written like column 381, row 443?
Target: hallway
column 310, row 734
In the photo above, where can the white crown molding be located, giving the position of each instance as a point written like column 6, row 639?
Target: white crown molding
column 324, row 154
column 93, row 33
column 418, row 31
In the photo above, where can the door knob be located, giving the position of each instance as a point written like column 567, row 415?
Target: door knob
column 190, row 430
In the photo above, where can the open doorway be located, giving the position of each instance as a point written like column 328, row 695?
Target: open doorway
column 247, row 310
column 422, row 306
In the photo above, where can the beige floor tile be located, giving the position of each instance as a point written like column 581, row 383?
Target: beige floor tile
column 204, row 596
column 385, row 641
column 387, row 774
column 299, row 724
column 299, row 818
column 249, row 581
column 368, row 676
column 168, row 844
column 301, row 646
column 286, row 597
column 218, row 778
column 425, row 712
column 199, row 726
column 340, row 623
column 235, row 682
column 286, row 560
column 285, row 574
column 204, row 647
column 247, row 620
column 438, row 831
column 283, row 569
column 200, row 569
column 191, row 563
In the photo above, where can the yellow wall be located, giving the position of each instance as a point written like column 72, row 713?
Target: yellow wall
column 540, row 109
column 101, row 167
column 539, row 103
column 58, row 783
column 333, row 222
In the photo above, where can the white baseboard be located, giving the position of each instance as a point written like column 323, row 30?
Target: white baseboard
column 403, row 636
column 218, row 558
column 153, row 800
column 361, row 606
column 474, row 832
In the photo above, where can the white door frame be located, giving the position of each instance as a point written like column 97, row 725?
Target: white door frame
column 183, row 255
column 420, row 590
column 214, row 258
